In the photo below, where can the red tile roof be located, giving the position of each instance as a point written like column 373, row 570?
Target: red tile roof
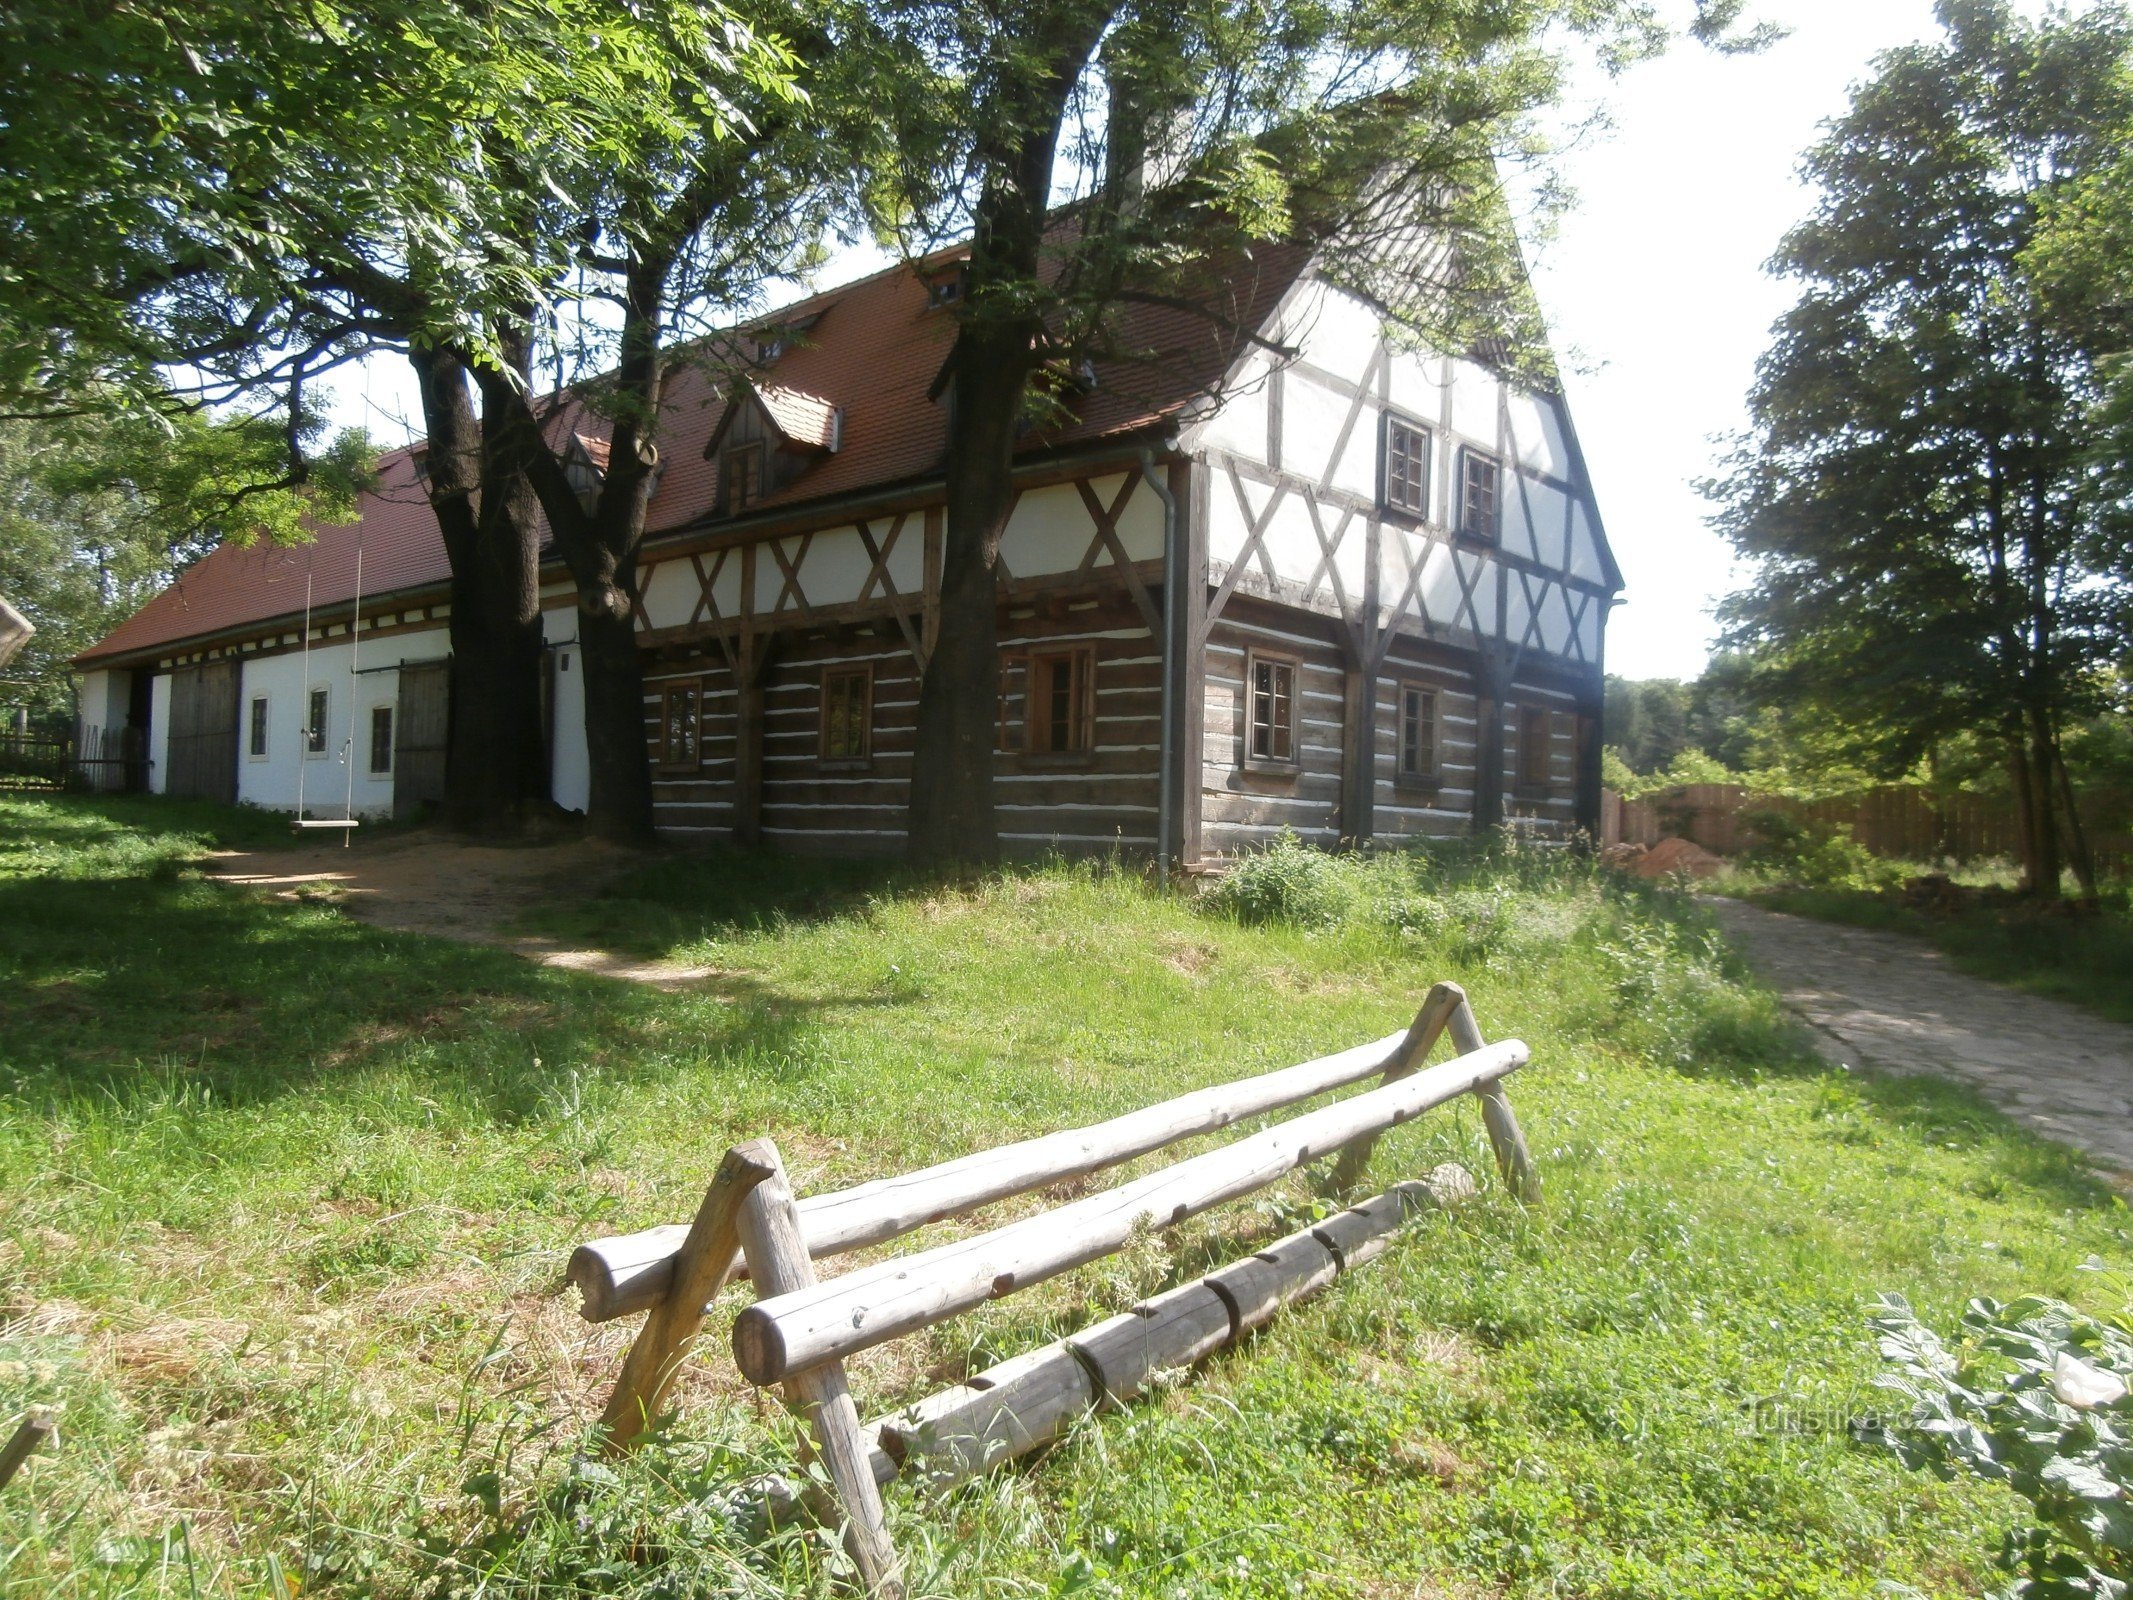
column 872, row 353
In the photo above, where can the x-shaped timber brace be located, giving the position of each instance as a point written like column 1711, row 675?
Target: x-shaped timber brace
column 800, row 1331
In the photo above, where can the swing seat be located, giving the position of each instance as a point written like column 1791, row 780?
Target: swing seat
column 301, row 823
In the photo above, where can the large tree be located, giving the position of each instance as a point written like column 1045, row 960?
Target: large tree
column 1102, row 152
column 258, row 195
column 1919, row 496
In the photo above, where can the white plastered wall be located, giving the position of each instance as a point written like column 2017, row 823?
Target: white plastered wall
column 285, row 777
column 569, row 766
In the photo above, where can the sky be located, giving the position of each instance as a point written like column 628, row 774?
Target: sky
column 1653, row 285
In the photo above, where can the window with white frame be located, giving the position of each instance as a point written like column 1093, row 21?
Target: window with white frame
column 256, row 730
column 315, row 712
column 1480, row 496
column 1406, row 486
column 1418, row 733
column 1270, row 736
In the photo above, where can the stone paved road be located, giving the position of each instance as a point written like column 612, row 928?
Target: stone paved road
column 1892, row 1002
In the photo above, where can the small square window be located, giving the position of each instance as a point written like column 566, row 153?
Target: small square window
column 1418, row 734
column 256, row 739
column 847, row 715
column 1270, row 738
column 315, row 723
column 1062, row 702
column 679, row 729
column 1480, row 496
column 741, row 477
column 381, row 741
column 1406, row 467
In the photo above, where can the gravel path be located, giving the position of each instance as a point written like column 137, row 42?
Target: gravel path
column 1892, row 1002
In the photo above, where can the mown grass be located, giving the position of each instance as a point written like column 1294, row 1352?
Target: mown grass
column 2084, row 956
column 284, row 1202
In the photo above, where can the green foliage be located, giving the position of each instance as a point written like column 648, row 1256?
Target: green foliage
column 99, row 511
column 1931, row 555
column 1289, row 881
column 2032, row 1394
column 1796, row 849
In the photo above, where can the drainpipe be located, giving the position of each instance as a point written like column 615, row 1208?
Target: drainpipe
column 1164, row 797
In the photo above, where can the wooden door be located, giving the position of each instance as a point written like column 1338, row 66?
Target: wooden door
column 202, row 749
column 421, row 733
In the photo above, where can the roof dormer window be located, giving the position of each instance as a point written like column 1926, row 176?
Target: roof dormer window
column 740, row 477
column 585, row 467
column 945, row 288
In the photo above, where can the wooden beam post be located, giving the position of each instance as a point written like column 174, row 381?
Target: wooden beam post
column 778, row 1261
column 1508, row 1140
column 1188, row 616
column 1438, row 1007
column 707, row 1259
column 39, row 1425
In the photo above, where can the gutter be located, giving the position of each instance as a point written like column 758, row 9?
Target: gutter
column 1165, row 797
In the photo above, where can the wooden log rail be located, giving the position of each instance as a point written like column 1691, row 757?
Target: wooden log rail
column 800, row 1331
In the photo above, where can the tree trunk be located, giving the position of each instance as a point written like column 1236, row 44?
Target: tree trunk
column 2077, row 837
column 620, row 807
column 495, row 767
column 952, row 819
column 2046, row 860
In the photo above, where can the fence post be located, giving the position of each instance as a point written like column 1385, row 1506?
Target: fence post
column 779, row 1264
column 706, row 1261
column 1437, row 1008
column 1508, row 1140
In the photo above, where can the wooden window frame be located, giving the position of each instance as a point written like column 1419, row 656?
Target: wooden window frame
column 391, row 733
column 1037, row 721
column 259, row 728
column 1469, row 459
column 668, row 761
column 1292, row 763
column 1429, row 775
column 756, row 451
column 1418, row 509
column 1523, row 784
column 863, row 674
column 318, row 730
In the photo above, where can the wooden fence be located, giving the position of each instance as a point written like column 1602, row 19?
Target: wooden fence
column 799, row 1331
column 97, row 761
column 1898, row 820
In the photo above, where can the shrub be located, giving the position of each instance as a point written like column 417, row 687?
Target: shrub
column 1290, row 881
column 1801, row 850
column 2033, row 1395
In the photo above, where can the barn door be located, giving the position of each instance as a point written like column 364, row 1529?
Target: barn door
column 421, row 731
column 202, row 749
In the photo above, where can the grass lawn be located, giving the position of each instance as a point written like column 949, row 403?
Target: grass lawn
column 284, row 1202
column 2085, row 958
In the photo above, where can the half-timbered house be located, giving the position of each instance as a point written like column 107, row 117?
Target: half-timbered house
column 1270, row 569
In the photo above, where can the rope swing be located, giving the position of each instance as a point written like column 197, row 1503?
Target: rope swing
column 347, row 821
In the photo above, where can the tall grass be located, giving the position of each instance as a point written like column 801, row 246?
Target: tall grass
column 284, row 1202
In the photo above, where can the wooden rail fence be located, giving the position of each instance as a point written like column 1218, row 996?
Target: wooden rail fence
column 800, row 1330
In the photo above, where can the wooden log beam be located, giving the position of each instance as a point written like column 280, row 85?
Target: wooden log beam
column 37, row 1426
column 701, row 1268
column 1506, row 1138
column 790, row 1332
column 632, row 1272
column 769, row 1227
column 1024, row 1404
column 1437, row 1007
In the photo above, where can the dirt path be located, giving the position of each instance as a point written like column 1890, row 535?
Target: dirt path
column 426, row 883
column 1895, row 1003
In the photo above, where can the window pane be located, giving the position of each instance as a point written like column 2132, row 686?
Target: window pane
column 381, row 738
column 315, row 723
column 1406, row 467
column 1059, row 712
column 259, row 728
column 1479, row 511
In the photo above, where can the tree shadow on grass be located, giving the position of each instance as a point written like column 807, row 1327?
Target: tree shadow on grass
column 719, row 892
column 120, row 988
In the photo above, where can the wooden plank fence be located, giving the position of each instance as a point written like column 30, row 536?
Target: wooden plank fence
column 1903, row 821
column 800, row 1330
column 99, row 761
